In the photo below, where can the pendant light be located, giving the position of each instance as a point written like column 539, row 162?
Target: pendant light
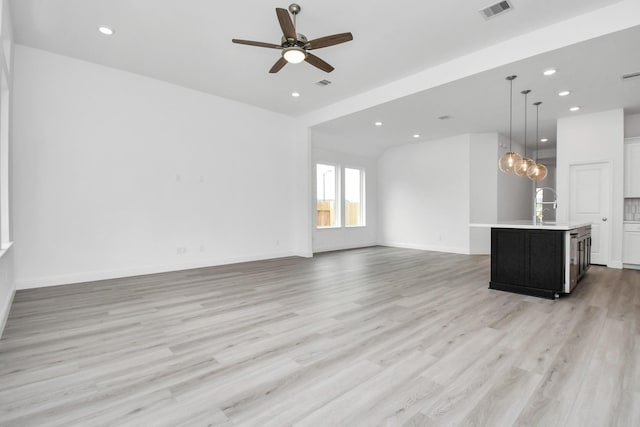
column 508, row 161
column 525, row 163
column 538, row 171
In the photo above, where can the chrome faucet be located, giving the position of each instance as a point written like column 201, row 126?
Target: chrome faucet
column 542, row 202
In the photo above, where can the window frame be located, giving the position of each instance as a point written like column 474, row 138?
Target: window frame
column 363, row 216
column 338, row 196
column 340, row 202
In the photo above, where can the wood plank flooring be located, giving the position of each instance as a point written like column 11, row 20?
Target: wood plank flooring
column 366, row 337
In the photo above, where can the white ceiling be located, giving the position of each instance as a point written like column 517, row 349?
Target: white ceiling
column 188, row 42
column 591, row 70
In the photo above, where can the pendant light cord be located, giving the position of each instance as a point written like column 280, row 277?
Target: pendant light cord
column 537, row 104
column 537, row 125
column 525, row 123
column 510, row 112
column 525, row 93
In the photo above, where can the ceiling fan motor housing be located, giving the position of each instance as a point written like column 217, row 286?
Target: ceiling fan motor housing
column 301, row 42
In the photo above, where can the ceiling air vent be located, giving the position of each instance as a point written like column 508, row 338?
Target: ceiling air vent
column 630, row 76
column 496, row 9
column 323, row 83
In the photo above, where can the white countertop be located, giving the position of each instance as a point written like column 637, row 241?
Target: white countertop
column 563, row 226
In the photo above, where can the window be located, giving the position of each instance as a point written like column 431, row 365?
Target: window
column 331, row 183
column 326, row 195
column 353, row 197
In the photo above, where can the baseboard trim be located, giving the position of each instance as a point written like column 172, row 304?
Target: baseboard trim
column 4, row 315
column 343, row 247
column 92, row 276
column 615, row 264
column 447, row 249
column 481, row 251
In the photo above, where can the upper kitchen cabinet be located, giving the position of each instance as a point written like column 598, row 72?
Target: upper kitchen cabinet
column 632, row 167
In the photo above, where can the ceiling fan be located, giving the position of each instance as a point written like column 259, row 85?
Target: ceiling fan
column 295, row 46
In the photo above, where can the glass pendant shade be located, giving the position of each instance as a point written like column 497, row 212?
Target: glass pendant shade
column 509, row 161
column 537, row 172
column 522, row 167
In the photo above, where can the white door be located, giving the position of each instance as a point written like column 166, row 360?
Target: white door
column 590, row 201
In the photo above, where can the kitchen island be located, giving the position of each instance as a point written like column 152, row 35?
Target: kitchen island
column 543, row 260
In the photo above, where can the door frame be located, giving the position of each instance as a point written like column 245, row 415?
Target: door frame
column 608, row 162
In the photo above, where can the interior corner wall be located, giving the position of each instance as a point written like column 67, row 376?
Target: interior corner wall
column 483, row 190
column 7, row 285
column 7, row 282
column 515, row 193
column 423, row 201
column 330, row 239
column 631, row 125
column 303, row 212
column 593, row 138
column 116, row 174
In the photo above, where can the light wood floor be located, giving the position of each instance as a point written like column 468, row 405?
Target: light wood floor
column 366, row 337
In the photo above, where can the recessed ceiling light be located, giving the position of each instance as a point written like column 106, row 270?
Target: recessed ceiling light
column 544, row 140
column 563, row 93
column 574, row 108
column 378, row 123
column 416, row 135
column 549, row 72
column 106, row 31
column 295, row 94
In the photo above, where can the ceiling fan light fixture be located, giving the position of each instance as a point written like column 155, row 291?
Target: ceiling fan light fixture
column 294, row 54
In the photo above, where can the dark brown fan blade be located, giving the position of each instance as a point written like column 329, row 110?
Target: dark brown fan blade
column 319, row 63
column 329, row 40
column 288, row 29
column 278, row 65
column 259, row 44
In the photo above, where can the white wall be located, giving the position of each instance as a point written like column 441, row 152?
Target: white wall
column 483, row 189
column 593, row 138
column 423, row 200
column 631, row 125
column 115, row 172
column 329, row 239
column 7, row 283
column 425, row 203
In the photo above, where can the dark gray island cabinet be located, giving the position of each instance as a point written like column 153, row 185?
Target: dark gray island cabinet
column 543, row 260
